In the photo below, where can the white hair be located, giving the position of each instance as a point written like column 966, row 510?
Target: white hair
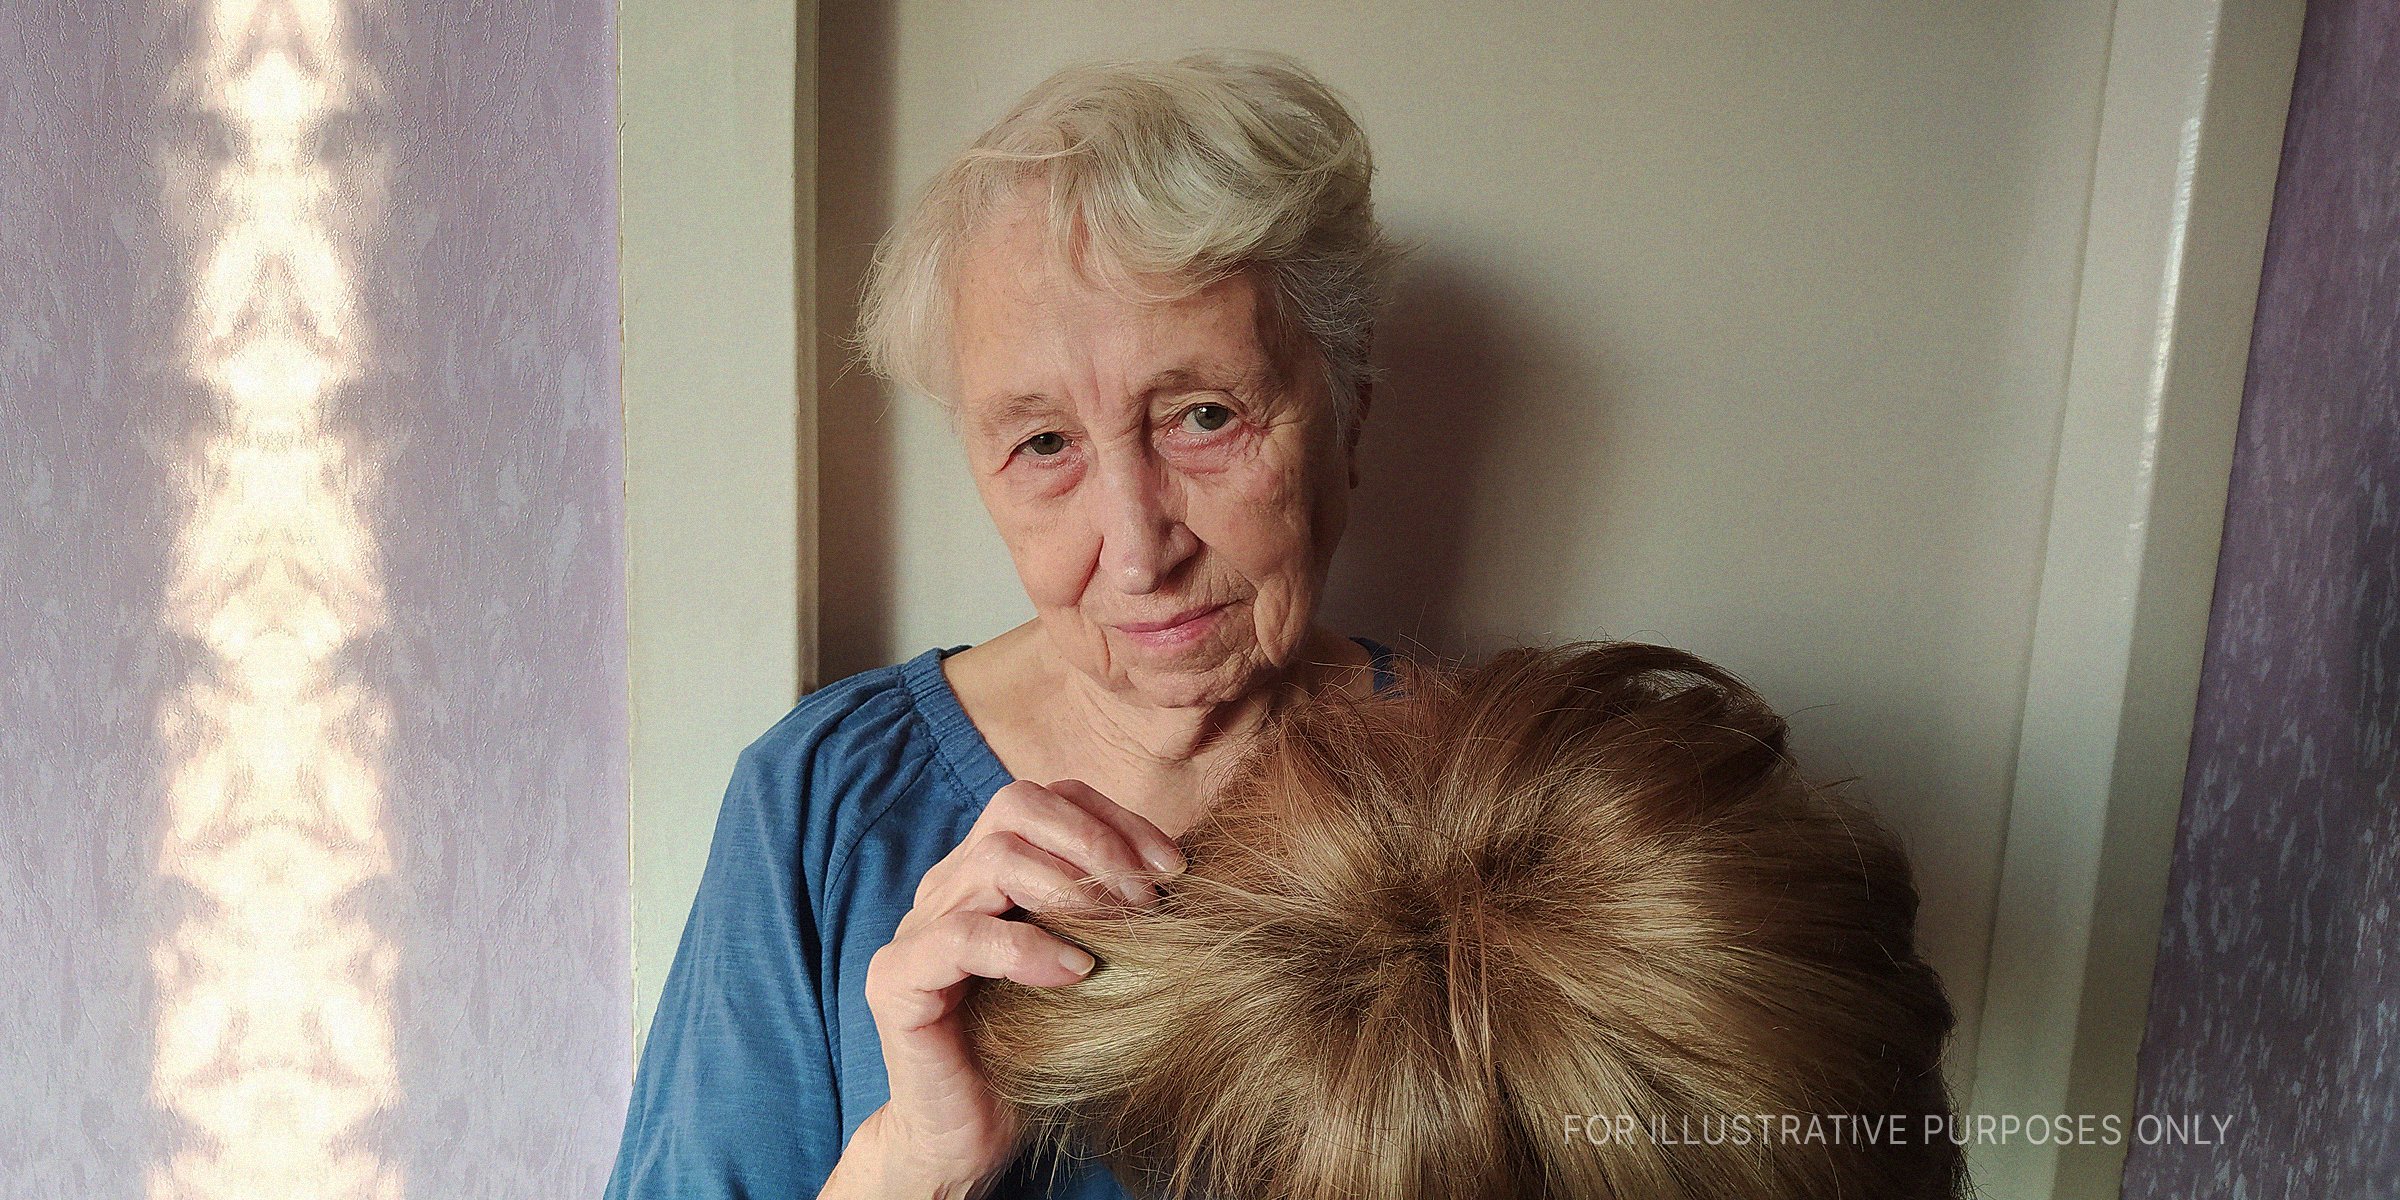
column 1162, row 178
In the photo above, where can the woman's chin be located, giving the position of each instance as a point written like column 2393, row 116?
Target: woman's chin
column 1186, row 676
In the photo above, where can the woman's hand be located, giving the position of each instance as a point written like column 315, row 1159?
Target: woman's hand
column 943, row 1133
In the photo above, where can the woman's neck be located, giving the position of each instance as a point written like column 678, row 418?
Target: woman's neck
column 1047, row 720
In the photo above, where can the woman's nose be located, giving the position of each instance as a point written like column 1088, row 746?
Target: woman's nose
column 1143, row 540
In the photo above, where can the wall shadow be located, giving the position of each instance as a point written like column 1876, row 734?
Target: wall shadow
column 1453, row 432
column 857, row 469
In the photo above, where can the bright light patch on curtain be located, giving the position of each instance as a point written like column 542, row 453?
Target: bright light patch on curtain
column 273, row 1045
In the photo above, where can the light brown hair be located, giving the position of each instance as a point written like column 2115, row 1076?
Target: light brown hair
column 1418, row 934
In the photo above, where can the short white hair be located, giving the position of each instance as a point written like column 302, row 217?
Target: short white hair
column 1188, row 171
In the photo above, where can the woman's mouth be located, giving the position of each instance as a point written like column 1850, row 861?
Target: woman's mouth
column 1182, row 629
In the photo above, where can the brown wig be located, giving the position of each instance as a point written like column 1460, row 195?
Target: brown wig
column 1427, row 945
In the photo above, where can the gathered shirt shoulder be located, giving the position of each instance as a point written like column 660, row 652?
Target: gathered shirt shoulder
column 762, row 1058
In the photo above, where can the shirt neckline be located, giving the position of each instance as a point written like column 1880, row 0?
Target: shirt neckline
column 963, row 746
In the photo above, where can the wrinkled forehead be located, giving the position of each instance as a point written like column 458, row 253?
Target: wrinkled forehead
column 1023, row 302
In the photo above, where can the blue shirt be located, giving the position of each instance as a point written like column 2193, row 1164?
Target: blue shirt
column 762, row 1059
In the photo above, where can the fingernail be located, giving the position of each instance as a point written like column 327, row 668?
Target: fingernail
column 1074, row 960
column 1165, row 860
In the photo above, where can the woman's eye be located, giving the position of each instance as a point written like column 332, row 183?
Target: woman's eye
column 1043, row 445
column 1206, row 418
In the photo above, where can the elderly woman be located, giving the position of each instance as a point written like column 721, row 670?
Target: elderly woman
column 1145, row 297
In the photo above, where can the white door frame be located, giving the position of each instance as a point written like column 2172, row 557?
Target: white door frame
column 2191, row 133
column 717, row 122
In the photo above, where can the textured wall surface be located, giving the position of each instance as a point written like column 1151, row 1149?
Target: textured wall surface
column 2277, row 995
column 482, row 423
column 88, row 515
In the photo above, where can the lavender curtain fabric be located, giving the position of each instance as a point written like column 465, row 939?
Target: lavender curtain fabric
column 2276, row 1003
column 166, row 185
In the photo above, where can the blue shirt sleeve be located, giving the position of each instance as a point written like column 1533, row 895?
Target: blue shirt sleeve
column 735, row 1096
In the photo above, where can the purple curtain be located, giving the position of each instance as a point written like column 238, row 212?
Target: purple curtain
column 2276, row 1004
column 312, row 676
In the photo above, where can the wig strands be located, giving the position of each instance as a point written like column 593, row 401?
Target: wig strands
column 1417, row 932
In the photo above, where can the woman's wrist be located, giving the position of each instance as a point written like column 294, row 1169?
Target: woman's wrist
column 875, row 1166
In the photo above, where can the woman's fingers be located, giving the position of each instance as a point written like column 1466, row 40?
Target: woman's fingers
column 1000, row 870
column 1080, row 827
column 995, row 871
column 1033, row 847
column 912, row 983
column 948, row 1128
column 1156, row 850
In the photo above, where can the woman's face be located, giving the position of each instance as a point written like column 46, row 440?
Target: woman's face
column 1170, row 486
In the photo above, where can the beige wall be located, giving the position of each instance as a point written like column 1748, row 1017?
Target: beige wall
column 1748, row 334
column 1745, row 337
column 716, row 154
